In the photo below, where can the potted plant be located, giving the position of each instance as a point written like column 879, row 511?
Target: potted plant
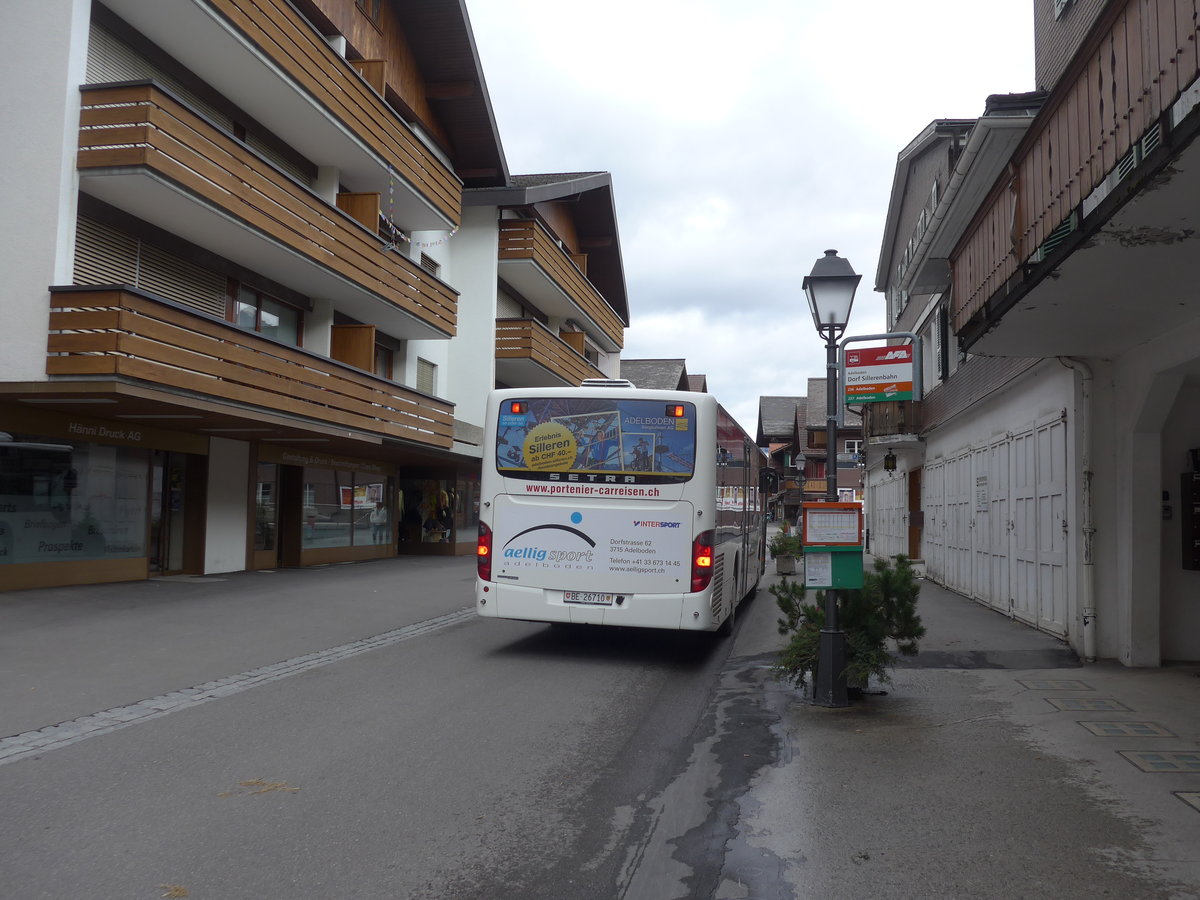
column 784, row 548
column 882, row 611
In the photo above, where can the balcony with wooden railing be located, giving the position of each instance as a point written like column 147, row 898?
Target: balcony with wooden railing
column 892, row 418
column 528, row 354
column 1111, row 110
column 270, row 61
column 143, row 129
column 126, row 335
column 793, row 495
column 532, row 261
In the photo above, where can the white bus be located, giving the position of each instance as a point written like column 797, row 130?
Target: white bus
column 610, row 505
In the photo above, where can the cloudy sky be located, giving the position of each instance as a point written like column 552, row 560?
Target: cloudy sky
column 744, row 139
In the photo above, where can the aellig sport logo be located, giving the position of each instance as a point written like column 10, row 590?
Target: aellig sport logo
column 540, row 554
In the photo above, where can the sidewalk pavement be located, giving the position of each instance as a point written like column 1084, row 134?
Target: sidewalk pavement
column 997, row 765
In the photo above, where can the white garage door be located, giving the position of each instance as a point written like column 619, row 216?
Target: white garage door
column 997, row 525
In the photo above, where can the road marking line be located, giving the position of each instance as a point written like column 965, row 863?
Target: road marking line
column 52, row 737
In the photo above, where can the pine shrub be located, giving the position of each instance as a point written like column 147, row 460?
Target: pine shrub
column 880, row 614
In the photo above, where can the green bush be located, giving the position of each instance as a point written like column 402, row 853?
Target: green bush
column 884, row 610
column 784, row 545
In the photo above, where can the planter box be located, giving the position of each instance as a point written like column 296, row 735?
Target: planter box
column 785, row 565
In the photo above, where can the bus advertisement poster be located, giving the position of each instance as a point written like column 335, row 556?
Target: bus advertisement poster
column 537, row 545
column 588, row 435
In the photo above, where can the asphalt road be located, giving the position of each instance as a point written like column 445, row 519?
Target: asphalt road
column 478, row 759
column 356, row 732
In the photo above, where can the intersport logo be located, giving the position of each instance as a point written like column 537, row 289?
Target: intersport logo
column 646, row 524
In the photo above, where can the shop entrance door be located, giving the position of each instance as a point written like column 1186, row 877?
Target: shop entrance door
column 168, row 489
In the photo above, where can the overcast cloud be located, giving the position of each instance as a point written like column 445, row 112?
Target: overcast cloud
column 744, row 139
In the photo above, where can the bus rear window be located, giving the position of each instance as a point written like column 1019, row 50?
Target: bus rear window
column 639, row 441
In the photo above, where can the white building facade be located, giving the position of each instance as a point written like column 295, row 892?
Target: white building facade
column 246, row 304
column 1046, row 255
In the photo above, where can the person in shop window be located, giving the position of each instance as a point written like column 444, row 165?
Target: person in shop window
column 379, row 523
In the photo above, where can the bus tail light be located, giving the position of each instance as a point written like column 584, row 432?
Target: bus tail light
column 483, row 553
column 702, row 560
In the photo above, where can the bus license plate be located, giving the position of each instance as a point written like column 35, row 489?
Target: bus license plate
column 591, row 598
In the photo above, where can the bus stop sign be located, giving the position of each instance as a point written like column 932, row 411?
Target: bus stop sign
column 878, row 374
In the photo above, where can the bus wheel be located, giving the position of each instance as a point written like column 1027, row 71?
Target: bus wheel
column 726, row 628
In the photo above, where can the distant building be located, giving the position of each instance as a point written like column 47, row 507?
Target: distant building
column 657, row 374
column 792, row 431
column 811, row 433
column 777, row 437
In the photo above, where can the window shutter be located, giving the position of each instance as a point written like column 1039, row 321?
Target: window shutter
column 104, row 255
column 111, row 60
column 941, row 335
column 426, row 376
column 277, row 159
column 507, row 307
column 177, row 279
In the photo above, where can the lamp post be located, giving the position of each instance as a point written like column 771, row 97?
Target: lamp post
column 830, row 287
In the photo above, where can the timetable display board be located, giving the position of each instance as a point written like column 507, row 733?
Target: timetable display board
column 831, row 525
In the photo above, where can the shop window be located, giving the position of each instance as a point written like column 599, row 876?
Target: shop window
column 429, row 512
column 270, row 317
column 63, row 500
column 466, row 506
column 266, row 510
column 340, row 509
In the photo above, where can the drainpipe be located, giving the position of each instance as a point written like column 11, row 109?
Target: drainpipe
column 1088, row 575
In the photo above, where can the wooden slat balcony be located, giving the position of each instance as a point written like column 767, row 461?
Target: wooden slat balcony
column 532, row 261
column 893, row 417
column 1101, row 119
column 530, row 341
column 122, row 334
column 142, row 128
column 300, row 52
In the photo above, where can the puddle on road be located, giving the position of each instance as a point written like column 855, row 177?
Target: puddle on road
column 691, row 843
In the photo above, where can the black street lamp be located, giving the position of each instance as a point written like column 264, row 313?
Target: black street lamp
column 830, row 287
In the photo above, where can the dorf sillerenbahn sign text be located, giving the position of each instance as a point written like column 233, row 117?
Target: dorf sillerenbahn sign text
column 878, row 374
